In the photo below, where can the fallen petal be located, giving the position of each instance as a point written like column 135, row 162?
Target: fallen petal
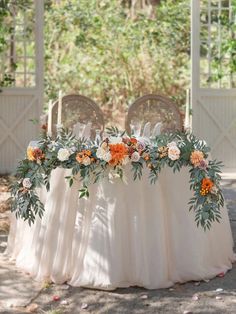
column 32, row 308
column 84, row 306
column 221, row 275
column 144, row 296
column 64, row 302
column 219, row 290
column 195, row 298
column 218, row 297
column 56, row 298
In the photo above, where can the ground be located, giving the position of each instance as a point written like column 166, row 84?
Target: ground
column 20, row 294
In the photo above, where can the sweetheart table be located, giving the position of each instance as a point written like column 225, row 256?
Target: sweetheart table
column 124, row 234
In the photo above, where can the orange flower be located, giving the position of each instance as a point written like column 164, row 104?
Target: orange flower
column 118, row 153
column 196, row 157
column 79, row 157
column 163, row 151
column 35, row 154
column 133, row 141
column 30, row 153
column 87, row 152
column 146, row 156
column 206, row 186
column 83, row 154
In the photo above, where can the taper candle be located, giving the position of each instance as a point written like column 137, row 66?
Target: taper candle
column 59, row 109
column 187, row 117
column 50, row 117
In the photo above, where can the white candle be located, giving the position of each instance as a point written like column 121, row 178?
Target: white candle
column 59, row 109
column 187, row 120
column 50, row 118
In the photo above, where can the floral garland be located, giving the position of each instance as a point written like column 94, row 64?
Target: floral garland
column 90, row 160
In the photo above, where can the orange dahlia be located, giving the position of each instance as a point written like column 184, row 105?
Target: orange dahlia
column 206, row 186
column 118, row 153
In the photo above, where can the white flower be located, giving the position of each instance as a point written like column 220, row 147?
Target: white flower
column 63, row 154
column 173, row 152
column 86, row 161
column 106, row 156
column 27, row 183
column 115, row 139
column 135, row 157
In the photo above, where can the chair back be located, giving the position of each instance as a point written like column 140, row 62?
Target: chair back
column 154, row 108
column 78, row 108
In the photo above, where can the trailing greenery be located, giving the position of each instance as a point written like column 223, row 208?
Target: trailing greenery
column 90, row 162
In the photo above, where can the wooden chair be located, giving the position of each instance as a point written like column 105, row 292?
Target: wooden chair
column 155, row 108
column 78, row 108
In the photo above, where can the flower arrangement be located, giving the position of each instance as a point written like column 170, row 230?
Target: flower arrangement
column 91, row 161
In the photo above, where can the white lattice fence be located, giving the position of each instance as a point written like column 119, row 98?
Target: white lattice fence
column 22, row 60
column 213, row 81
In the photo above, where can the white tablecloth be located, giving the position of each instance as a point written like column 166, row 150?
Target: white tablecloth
column 123, row 235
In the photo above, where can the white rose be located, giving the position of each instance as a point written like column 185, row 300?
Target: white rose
column 115, row 139
column 27, row 183
column 135, row 157
column 86, row 161
column 173, row 152
column 63, row 154
column 106, row 156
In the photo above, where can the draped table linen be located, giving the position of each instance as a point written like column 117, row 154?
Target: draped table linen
column 124, row 234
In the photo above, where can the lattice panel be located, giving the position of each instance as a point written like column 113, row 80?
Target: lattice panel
column 216, row 123
column 217, row 29
column 15, row 128
column 18, row 61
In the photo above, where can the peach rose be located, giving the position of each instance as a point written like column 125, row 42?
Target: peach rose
column 196, row 157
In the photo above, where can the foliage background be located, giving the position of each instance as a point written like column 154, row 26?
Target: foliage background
column 117, row 50
column 113, row 52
